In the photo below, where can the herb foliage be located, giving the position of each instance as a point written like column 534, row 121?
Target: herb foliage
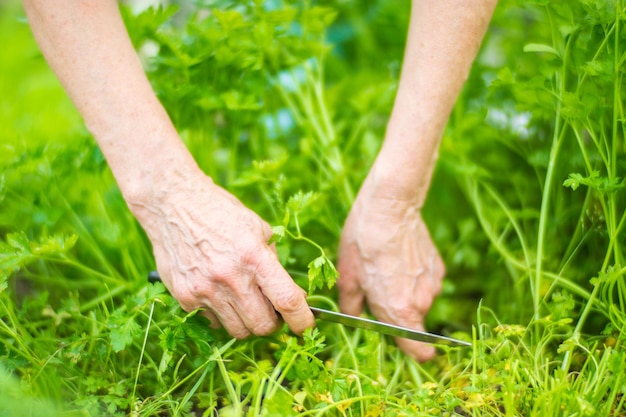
column 285, row 103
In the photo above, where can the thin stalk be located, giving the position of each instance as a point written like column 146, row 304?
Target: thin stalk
column 322, row 411
column 617, row 116
column 143, row 349
column 611, row 210
column 191, row 392
column 512, row 221
column 214, row 357
column 510, row 257
column 349, row 344
column 278, row 368
column 545, row 204
column 23, row 350
column 229, row 386
column 104, row 297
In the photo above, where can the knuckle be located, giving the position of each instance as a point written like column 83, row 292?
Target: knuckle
column 266, row 327
column 289, row 302
column 224, row 274
column 186, row 299
column 251, row 257
column 214, row 323
column 260, row 260
column 406, row 313
column 240, row 333
column 424, row 302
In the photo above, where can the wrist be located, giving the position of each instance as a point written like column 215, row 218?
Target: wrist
column 155, row 201
column 151, row 169
column 160, row 183
column 399, row 180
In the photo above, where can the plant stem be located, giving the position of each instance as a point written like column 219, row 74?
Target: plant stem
column 143, row 349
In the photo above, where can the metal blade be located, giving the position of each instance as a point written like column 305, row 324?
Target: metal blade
column 386, row 328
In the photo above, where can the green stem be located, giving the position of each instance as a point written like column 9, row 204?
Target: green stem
column 143, row 349
column 557, row 139
column 234, row 398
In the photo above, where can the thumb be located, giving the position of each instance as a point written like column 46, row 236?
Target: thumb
column 286, row 296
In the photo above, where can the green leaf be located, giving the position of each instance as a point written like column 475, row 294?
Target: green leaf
column 316, row 276
column 616, row 362
column 270, row 166
column 54, row 245
column 123, row 330
column 19, row 241
column 314, row 340
column 594, row 181
column 236, row 100
column 18, row 250
column 286, row 218
column 573, row 108
column 321, row 271
column 14, row 254
column 574, row 180
column 316, row 19
column 598, row 67
column 282, row 17
column 197, row 328
column 123, row 336
column 230, row 20
column 278, row 232
column 301, row 201
column 330, row 274
column 3, row 188
column 155, row 291
column 539, row 47
column 278, row 405
column 264, row 34
column 171, row 337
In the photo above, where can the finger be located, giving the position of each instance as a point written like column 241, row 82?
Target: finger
column 231, row 321
column 438, row 272
column 257, row 313
column 287, row 298
column 419, row 351
column 215, row 323
column 351, row 297
column 414, row 320
column 409, row 316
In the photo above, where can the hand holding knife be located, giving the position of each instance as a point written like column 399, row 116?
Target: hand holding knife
column 377, row 326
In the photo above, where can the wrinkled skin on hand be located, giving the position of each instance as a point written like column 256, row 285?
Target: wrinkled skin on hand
column 387, row 258
column 212, row 253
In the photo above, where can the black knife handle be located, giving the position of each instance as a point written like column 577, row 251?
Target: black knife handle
column 153, row 277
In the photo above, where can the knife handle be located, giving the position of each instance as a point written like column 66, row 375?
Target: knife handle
column 153, row 277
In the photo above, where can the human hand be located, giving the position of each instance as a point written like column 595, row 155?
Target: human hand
column 386, row 257
column 213, row 253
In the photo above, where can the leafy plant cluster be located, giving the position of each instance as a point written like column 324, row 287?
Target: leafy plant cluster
column 285, row 103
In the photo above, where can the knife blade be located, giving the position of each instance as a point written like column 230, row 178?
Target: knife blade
column 386, row 328
column 367, row 324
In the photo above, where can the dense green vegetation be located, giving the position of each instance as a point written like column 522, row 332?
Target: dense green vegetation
column 285, row 103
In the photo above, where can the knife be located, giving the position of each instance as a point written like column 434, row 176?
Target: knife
column 386, row 328
column 377, row 326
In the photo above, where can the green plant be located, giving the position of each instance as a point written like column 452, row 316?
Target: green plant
column 284, row 103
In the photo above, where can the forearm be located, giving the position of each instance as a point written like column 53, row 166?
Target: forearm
column 211, row 251
column 86, row 44
column 443, row 40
